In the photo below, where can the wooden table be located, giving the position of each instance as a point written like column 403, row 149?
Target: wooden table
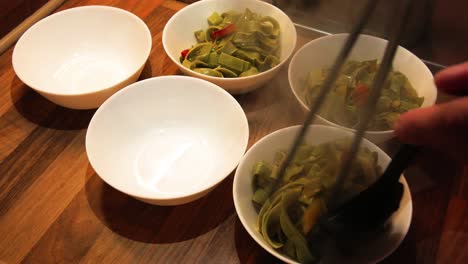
column 54, row 208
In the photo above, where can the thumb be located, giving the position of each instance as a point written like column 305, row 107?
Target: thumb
column 453, row 80
column 419, row 126
column 443, row 126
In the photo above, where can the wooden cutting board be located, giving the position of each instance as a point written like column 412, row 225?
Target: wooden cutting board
column 55, row 209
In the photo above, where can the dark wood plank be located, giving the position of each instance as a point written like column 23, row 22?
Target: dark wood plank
column 12, row 13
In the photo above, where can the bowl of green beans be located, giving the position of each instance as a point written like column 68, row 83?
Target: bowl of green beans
column 238, row 45
column 284, row 213
column 409, row 84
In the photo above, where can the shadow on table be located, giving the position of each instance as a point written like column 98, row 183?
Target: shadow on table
column 247, row 249
column 147, row 223
column 147, row 71
column 44, row 113
column 37, row 109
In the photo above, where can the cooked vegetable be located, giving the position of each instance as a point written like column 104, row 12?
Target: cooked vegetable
column 215, row 19
column 226, row 31
column 184, row 53
column 290, row 207
column 235, row 45
column 345, row 103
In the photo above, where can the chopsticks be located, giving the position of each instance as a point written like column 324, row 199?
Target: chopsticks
column 375, row 91
column 42, row 12
column 374, row 95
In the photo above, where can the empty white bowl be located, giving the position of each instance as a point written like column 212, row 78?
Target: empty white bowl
column 321, row 53
column 265, row 150
column 79, row 57
column 179, row 31
column 167, row 140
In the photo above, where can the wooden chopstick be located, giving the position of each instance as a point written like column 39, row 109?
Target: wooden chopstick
column 15, row 34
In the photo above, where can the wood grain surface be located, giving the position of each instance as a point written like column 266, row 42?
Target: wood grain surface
column 55, row 209
column 13, row 12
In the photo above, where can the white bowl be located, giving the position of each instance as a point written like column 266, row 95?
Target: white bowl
column 321, row 53
column 178, row 35
column 167, row 140
column 79, row 57
column 282, row 139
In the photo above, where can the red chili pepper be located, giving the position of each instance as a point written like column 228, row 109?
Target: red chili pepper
column 184, row 53
column 360, row 94
column 229, row 29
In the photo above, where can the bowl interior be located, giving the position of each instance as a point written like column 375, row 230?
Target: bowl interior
column 82, row 50
column 167, row 137
column 178, row 34
column 321, row 53
column 282, row 140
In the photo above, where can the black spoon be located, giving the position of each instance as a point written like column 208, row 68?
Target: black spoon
column 371, row 208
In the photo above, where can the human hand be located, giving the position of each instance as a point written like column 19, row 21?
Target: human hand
column 443, row 126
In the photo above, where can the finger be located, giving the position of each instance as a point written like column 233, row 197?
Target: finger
column 453, row 80
column 417, row 126
column 444, row 125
